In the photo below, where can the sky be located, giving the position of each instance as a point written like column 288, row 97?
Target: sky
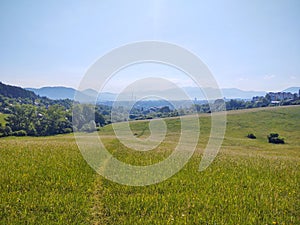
column 250, row 45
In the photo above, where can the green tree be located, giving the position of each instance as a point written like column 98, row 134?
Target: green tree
column 85, row 117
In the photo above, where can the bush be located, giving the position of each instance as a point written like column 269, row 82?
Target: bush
column 68, row 130
column 273, row 135
column 7, row 131
column 20, row 133
column 251, row 136
column 89, row 127
column 275, row 139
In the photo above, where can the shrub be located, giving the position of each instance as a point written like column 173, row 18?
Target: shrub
column 251, row 136
column 7, row 131
column 89, row 127
column 275, row 139
column 68, row 130
column 273, row 135
column 20, row 133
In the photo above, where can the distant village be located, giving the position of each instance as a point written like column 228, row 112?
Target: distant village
column 277, row 97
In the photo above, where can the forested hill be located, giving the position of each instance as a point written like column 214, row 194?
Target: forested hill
column 30, row 114
column 16, row 92
column 12, row 95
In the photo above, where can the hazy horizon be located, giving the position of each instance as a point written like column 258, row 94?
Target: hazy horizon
column 62, row 86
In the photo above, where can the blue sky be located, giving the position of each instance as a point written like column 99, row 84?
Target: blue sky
column 251, row 45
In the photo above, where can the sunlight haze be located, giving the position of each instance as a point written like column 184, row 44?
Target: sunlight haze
column 251, row 45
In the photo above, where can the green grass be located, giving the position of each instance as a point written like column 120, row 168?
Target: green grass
column 46, row 180
column 2, row 119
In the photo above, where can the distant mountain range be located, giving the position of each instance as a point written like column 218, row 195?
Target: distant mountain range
column 10, row 95
column 292, row 90
column 66, row 92
column 54, row 92
column 229, row 93
column 193, row 92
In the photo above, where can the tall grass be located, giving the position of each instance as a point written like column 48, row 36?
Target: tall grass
column 45, row 180
column 250, row 181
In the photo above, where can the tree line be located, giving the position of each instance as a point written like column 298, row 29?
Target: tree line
column 32, row 115
column 34, row 120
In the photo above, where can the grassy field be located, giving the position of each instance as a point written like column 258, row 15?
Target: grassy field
column 46, row 180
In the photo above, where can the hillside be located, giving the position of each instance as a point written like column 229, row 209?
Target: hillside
column 54, row 92
column 292, row 90
column 193, row 92
column 16, row 92
column 250, row 181
column 26, row 113
column 13, row 95
column 57, row 93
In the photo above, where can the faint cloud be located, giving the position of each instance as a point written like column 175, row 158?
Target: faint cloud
column 293, row 77
column 243, row 79
column 182, row 82
column 269, row 77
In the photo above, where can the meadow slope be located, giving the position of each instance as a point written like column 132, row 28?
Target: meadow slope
column 45, row 180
